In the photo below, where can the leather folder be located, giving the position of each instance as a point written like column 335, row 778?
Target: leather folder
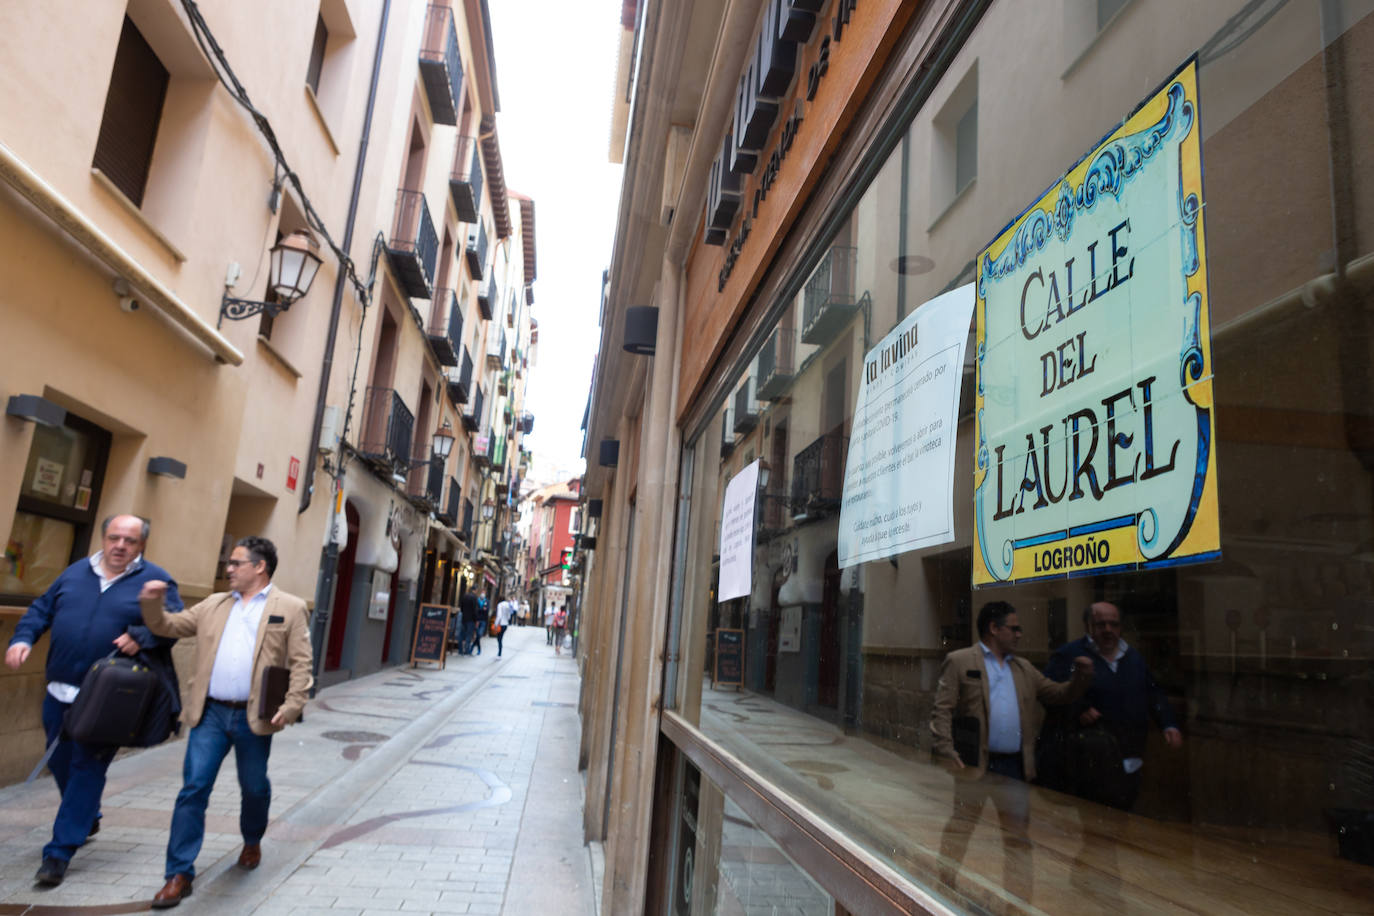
column 272, row 690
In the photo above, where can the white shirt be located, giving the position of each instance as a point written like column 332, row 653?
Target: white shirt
column 231, row 679
column 66, row 693
column 504, row 611
column 1004, row 713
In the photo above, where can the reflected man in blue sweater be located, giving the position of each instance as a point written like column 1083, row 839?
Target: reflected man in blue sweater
column 90, row 611
column 1122, row 700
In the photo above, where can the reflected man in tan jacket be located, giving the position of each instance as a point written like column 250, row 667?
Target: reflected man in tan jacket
column 984, row 724
column 239, row 635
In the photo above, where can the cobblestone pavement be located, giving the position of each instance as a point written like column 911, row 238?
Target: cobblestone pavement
column 408, row 791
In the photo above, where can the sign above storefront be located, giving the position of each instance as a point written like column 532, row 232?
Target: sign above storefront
column 1094, row 410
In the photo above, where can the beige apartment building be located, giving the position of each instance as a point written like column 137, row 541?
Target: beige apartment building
column 151, row 367
column 806, row 181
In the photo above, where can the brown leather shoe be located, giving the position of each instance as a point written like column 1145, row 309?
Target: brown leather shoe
column 251, row 857
column 177, row 886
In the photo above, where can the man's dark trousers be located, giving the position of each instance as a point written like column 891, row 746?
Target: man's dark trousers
column 79, row 770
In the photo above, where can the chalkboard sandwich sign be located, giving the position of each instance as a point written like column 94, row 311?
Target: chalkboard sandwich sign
column 431, row 629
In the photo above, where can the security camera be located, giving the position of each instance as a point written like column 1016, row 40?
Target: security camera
column 127, row 302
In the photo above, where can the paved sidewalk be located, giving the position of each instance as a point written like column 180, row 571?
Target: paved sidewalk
column 409, row 791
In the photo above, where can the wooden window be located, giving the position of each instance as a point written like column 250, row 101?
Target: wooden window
column 312, row 72
column 55, row 517
column 133, row 109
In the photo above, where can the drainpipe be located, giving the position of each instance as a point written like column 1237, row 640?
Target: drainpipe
column 324, row 586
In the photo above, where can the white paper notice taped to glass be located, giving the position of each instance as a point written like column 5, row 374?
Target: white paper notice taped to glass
column 737, row 534
column 899, row 476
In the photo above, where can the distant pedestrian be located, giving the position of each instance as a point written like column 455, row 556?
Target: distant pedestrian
column 241, row 635
column 505, row 611
column 480, row 629
column 549, row 612
column 90, row 610
column 560, row 624
column 468, row 610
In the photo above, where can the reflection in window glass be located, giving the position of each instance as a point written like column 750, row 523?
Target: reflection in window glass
column 1221, row 757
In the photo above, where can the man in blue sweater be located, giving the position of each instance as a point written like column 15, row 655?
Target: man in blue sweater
column 91, row 610
column 1122, row 701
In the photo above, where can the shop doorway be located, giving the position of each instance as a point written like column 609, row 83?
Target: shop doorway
column 390, row 615
column 343, row 592
column 831, row 649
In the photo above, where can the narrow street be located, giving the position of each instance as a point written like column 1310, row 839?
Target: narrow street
column 412, row 790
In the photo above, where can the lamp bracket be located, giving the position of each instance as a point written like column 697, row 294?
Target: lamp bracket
column 239, row 309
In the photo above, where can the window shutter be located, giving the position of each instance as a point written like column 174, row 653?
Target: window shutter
column 133, row 108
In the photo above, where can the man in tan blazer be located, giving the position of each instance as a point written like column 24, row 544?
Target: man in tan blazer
column 985, row 705
column 239, row 635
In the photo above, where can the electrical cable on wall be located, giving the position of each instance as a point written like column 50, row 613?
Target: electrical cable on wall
column 215, row 54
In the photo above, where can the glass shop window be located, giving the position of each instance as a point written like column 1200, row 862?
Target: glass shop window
column 1222, row 757
column 56, row 514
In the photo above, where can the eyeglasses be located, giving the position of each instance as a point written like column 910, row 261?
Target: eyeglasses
column 235, row 564
column 1013, row 629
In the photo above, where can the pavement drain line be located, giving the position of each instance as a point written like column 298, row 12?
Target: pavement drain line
column 319, row 813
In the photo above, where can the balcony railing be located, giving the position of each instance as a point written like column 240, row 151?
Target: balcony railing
column 460, row 379
column 727, row 435
column 472, row 417
column 485, row 297
column 441, row 66
column 527, row 422
column 414, row 246
column 465, row 181
column 746, row 415
column 465, row 529
column 828, row 300
column 445, row 327
column 388, row 429
column 448, row 509
column 775, row 365
column 496, row 350
column 477, row 255
column 818, row 476
column 425, row 482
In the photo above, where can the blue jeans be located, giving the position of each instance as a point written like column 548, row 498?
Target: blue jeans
column 79, row 770
column 465, row 638
column 221, row 727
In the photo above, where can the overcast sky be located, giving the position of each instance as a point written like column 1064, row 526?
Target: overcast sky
column 555, row 71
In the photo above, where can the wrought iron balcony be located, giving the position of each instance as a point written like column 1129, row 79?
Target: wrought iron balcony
column 477, row 255
column 465, row 181
column 775, row 365
column 828, row 300
column 746, row 413
column 818, row 476
column 448, row 509
column 496, row 350
column 464, row 529
column 472, row 417
column 527, row 422
column 485, row 297
column 460, row 379
column 414, row 246
column 425, row 481
column 727, row 435
column 388, row 429
column 445, row 327
column 441, row 66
